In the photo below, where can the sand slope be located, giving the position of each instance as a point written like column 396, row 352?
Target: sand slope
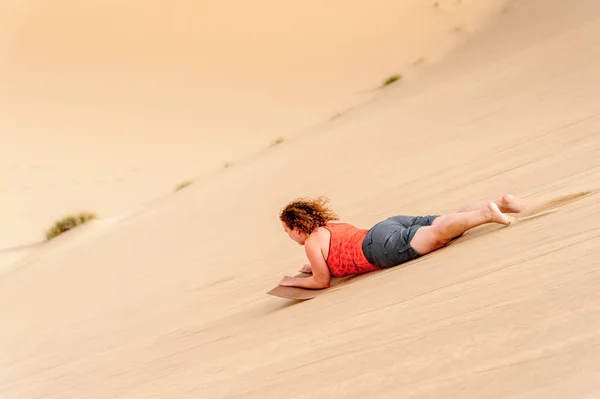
column 105, row 105
column 170, row 301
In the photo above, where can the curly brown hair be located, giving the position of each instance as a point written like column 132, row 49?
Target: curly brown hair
column 307, row 214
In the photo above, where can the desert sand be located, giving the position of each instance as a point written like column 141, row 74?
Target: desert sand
column 108, row 107
column 165, row 296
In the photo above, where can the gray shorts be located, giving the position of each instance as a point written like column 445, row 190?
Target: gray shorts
column 387, row 243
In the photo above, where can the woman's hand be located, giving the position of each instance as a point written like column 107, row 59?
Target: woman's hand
column 306, row 269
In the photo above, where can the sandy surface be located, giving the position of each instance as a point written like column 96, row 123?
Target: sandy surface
column 107, row 105
column 169, row 300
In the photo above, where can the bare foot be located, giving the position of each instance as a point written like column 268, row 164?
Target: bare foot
column 513, row 204
column 493, row 214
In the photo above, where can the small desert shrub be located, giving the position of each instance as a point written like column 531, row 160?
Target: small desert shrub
column 337, row 115
column 227, row 164
column 69, row 222
column 341, row 113
column 183, row 185
column 391, row 79
column 278, row 140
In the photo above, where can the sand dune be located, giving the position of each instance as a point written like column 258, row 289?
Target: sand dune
column 170, row 300
column 104, row 106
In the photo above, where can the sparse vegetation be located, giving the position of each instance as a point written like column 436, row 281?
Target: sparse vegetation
column 436, row 4
column 391, row 79
column 419, row 61
column 278, row 140
column 183, row 184
column 69, row 222
column 341, row 113
column 458, row 29
column 337, row 115
column 227, row 164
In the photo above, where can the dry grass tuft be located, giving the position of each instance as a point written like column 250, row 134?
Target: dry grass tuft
column 278, row 140
column 69, row 222
column 183, row 185
column 391, row 79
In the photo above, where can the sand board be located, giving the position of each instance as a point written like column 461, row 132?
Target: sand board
column 303, row 294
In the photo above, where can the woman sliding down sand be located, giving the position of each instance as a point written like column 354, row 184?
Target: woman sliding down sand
column 339, row 249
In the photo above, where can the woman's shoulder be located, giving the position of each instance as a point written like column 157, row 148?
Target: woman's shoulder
column 320, row 237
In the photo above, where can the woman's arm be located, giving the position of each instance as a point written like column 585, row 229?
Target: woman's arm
column 321, row 276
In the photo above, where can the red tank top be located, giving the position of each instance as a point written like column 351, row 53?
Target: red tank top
column 346, row 256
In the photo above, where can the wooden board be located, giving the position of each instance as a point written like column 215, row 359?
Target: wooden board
column 302, row 294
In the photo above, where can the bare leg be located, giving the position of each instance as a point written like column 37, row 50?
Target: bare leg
column 447, row 227
column 508, row 203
